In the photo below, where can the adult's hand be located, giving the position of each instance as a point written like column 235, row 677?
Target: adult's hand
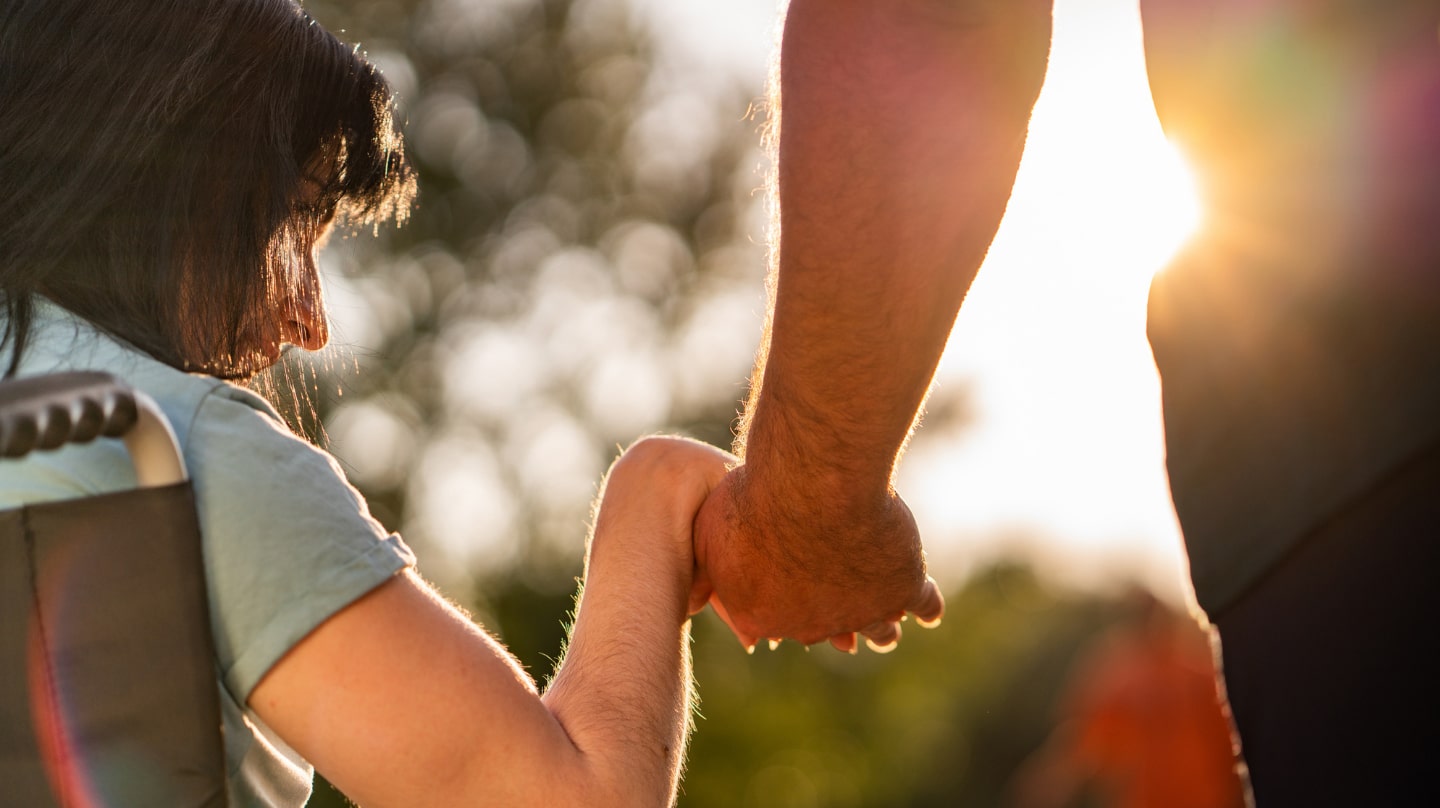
column 782, row 564
column 901, row 126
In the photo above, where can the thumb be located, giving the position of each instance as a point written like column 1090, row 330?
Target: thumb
column 701, row 591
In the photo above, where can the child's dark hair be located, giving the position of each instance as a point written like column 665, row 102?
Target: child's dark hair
column 165, row 165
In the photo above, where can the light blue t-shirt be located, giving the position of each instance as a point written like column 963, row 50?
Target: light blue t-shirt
column 287, row 541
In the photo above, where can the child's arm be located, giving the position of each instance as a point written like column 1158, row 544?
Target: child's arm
column 401, row 700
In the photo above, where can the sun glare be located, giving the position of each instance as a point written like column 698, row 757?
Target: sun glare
column 1067, row 445
column 1099, row 175
column 1177, row 213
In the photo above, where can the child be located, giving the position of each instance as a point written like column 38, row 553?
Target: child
column 169, row 169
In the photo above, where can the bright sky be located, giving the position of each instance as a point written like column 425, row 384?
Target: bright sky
column 1065, row 457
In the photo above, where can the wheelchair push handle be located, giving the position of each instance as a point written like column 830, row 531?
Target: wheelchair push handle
column 48, row 412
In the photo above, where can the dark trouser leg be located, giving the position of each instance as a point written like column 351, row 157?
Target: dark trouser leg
column 1330, row 662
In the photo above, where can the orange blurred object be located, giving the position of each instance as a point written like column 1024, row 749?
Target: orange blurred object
column 1143, row 724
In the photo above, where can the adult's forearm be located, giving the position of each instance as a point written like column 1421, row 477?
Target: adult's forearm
column 897, row 147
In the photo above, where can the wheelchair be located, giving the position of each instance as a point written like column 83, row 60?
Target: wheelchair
column 108, row 686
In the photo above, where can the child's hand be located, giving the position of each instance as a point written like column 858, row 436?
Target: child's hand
column 649, row 500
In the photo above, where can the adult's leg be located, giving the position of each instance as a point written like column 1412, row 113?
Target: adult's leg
column 1330, row 662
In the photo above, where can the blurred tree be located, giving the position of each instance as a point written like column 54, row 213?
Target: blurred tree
column 584, row 266
column 944, row 721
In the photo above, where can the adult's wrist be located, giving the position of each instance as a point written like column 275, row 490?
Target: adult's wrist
column 801, row 445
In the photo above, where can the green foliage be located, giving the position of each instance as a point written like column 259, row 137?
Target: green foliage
column 944, row 720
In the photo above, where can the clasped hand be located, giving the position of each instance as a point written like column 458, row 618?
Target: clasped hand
column 810, row 568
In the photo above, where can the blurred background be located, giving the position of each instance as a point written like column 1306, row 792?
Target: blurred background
column 586, row 264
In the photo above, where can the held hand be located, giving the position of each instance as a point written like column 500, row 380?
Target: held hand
column 655, row 488
column 807, row 569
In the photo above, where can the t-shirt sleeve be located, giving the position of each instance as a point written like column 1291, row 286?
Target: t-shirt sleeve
column 288, row 541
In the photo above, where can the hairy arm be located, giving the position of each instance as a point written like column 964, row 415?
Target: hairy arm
column 401, row 700
column 901, row 125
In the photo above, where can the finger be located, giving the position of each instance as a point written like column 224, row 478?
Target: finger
column 929, row 605
column 882, row 637
column 747, row 641
column 845, row 642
